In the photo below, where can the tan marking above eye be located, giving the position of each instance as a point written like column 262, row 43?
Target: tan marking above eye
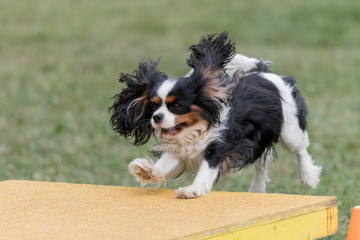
column 156, row 100
column 170, row 99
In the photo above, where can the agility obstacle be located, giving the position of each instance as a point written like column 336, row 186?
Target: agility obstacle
column 43, row 210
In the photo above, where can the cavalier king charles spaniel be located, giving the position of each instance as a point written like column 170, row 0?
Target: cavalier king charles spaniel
column 225, row 114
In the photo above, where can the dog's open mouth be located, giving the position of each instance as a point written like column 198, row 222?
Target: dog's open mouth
column 173, row 130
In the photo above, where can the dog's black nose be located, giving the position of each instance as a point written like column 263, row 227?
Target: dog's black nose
column 158, row 118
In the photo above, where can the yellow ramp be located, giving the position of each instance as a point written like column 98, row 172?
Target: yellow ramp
column 43, row 210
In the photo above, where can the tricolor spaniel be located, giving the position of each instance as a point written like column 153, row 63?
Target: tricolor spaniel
column 225, row 114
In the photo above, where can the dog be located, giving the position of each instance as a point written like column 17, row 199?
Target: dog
column 226, row 114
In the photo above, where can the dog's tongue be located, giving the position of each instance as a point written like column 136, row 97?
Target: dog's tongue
column 172, row 130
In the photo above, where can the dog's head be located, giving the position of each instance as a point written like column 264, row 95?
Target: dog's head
column 151, row 101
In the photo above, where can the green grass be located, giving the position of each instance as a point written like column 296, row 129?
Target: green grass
column 60, row 60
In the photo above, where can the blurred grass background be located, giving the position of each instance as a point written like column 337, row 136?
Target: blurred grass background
column 60, row 61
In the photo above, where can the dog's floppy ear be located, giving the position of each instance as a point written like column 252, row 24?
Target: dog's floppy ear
column 211, row 54
column 208, row 59
column 131, row 111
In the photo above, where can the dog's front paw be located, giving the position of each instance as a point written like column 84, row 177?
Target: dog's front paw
column 145, row 172
column 190, row 192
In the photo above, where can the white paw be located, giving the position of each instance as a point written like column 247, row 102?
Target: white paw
column 311, row 176
column 145, row 172
column 257, row 188
column 190, row 192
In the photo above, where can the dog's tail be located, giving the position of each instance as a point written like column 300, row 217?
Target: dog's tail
column 241, row 65
column 263, row 66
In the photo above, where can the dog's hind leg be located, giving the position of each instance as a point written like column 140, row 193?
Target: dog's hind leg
column 309, row 173
column 294, row 136
column 258, row 185
column 295, row 140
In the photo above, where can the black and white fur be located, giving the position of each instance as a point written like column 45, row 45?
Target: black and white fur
column 225, row 114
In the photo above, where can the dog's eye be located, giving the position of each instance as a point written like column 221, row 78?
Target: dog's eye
column 154, row 105
column 177, row 106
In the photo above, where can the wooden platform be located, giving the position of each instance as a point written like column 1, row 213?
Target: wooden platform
column 43, row 210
